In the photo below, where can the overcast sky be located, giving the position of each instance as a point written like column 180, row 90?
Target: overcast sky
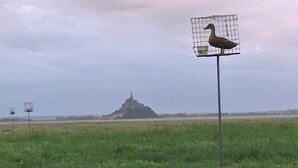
column 85, row 56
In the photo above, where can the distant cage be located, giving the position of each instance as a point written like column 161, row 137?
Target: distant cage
column 28, row 107
column 225, row 26
column 11, row 110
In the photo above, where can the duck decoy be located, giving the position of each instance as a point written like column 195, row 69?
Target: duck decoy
column 219, row 42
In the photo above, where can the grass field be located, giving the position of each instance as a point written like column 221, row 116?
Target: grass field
column 263, row 143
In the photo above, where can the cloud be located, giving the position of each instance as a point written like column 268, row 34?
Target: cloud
column 104, row 5
column 92, row 51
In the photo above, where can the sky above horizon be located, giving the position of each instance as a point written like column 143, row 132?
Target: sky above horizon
column 80, row 57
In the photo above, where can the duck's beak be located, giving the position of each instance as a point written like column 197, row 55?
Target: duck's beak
column 206, row 28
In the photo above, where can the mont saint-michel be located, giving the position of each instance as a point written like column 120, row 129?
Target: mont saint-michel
column 132, row 109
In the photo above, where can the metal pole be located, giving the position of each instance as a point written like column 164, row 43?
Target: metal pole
column 219, row 116
column 29, row 123
column 12, row 128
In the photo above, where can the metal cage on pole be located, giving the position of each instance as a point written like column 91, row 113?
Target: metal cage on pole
column 12, row 113
column 221, row 40
column 28, row 107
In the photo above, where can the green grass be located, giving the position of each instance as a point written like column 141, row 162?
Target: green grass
column 271, row 143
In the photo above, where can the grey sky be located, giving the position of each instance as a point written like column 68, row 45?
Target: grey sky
column 85, row 56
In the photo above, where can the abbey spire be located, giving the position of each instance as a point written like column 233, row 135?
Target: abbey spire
column 131, row 97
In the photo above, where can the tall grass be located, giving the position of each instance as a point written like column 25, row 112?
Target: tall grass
column 247, row 143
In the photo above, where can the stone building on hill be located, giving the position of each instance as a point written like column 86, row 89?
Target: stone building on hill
column 132, row 109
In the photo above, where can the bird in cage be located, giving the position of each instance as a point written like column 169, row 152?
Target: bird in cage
column 219, row 42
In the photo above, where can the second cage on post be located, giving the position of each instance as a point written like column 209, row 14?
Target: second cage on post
column 28, row 107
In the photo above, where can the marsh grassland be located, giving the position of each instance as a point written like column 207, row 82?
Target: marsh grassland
column 262, row 143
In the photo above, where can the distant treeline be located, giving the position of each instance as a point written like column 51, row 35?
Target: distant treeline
column 15, row 119
column 64, row 118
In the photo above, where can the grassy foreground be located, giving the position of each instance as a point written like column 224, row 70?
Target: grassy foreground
column 271, row 143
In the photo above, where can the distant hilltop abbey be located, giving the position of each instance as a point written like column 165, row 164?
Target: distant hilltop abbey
column 132, row 109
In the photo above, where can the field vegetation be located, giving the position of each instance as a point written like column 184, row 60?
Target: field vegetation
column 262, row 143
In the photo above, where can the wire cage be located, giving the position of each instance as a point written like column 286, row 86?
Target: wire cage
column 28, row 107
column 11, row 111
column 225, row 26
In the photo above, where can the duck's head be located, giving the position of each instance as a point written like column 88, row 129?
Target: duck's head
column 210, row 26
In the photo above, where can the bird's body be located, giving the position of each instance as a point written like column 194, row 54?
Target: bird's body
column 219, row 42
